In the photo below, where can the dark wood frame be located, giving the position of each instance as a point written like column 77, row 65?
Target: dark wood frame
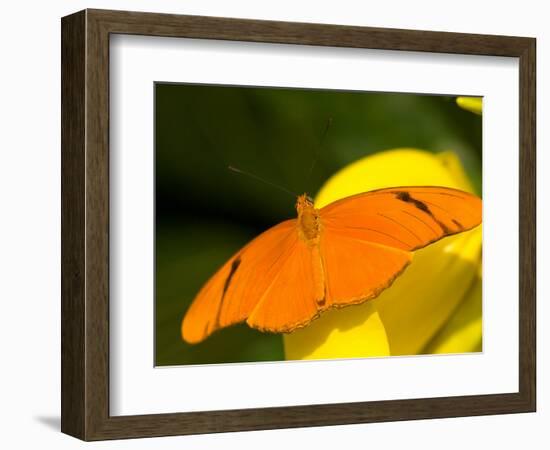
column 85, row 224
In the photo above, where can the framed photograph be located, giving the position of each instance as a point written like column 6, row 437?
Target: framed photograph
column 272, row 225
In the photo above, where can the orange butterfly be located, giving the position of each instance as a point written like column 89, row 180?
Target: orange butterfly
column 342, row 254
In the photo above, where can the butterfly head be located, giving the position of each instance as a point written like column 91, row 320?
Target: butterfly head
column 303, row 202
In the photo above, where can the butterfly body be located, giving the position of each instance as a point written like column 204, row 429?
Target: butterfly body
column 309, row 221
column 342, row 254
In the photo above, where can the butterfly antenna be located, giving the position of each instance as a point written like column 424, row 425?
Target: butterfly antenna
column 316, row 154
column 255, row 177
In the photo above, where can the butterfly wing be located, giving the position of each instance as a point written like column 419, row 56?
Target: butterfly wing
column 368, row 238
column 407, row 218
column 230, row 295
column 295, row 295
column 356, row 269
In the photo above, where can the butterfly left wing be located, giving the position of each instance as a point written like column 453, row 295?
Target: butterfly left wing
column 368, row 238
column 230, row 295
column 296, row 294
column 274, row 283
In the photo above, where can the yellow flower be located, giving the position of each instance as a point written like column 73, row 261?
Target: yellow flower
column 472, row 104
column 435, row 306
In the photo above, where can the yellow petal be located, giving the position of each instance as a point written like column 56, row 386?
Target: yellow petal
column 456, row 171
column 421, row 300
column 398, row 167
column 463, row 332
column 347, row 333
column 472, row 104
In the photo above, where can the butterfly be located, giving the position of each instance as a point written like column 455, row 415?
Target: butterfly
column 342, row 254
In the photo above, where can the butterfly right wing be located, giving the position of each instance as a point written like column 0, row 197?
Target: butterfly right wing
column 356, row 269
column 368, row 238
column 231, row 294
column 407, row 218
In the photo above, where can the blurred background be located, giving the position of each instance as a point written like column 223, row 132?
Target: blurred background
column 205, row 213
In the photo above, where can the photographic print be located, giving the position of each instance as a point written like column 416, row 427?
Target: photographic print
column 215, row 226
column 297, row 224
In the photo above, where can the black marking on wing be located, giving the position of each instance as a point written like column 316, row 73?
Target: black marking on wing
column 234, row 266
column 321, row 301
column 404, row 196
column 458, row 224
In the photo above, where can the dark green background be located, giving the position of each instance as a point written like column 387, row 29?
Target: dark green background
column 204, row 212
